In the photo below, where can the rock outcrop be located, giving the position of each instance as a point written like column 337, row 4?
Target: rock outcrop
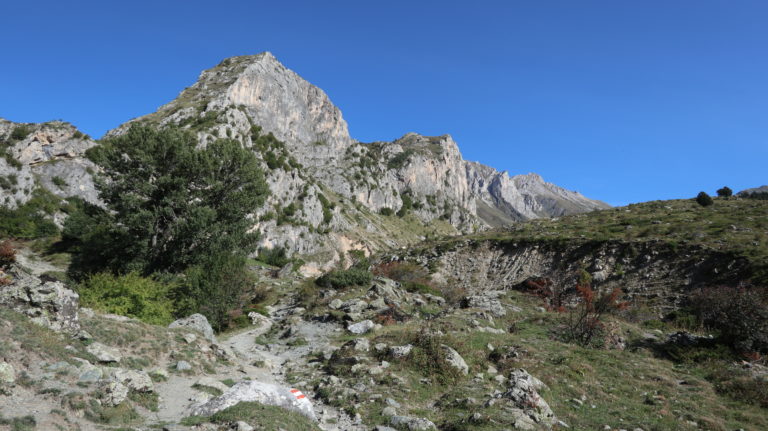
column 51, row 155
column 48, row 303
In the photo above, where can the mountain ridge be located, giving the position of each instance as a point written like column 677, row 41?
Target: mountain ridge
column 332, row 193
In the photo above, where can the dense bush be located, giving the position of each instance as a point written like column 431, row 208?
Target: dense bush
column 129, row 295
column 400, row 159
column 275, row 256
column 386, row 211
column 704, row 199
column 328, row 207
column 725, row 192
column 214, row 288
column 20, row 132
column 338, row 279
column 407, row 204
column 32, row 219
column 740, row 316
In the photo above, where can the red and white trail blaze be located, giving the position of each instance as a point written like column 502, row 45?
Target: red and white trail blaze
column 297, row 393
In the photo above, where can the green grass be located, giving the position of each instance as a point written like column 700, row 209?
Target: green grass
column 208, row 389
column 735, row 226
column 21, row 423
column 267, row 418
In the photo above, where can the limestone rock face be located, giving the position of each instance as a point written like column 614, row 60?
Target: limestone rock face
column 294, row 110
column 48, row 303
column 51, row 155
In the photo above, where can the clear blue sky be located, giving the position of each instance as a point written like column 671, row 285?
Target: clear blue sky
column 622, row 100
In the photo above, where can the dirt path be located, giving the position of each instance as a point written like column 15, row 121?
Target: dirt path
column 259, row 362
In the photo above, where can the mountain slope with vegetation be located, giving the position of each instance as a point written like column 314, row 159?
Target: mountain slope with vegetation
column 236, row 261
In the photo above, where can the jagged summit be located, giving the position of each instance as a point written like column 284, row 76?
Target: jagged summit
column 267, row 94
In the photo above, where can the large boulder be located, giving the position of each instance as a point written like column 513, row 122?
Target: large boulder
column 7, row 373
column 199, row 323
column 361, row 328
column 486, row 303
column 113, row 393
column 47, row 303
column 104, row 353
column 454, row 359
column 262, row 323
column 138, row 381
column 528, row 410
column 264, row 393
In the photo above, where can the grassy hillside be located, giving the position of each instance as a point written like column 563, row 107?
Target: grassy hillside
column 738, row 226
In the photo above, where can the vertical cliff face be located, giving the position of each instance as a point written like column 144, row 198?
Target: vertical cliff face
column 295, row 111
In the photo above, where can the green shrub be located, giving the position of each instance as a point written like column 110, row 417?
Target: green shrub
column 725, row 192
column 407, row 204
column 20, row 133
column 58, row 181
column 739, row 315
column 33, row 219
column 739, row 385
column 266, row 417
column 214, row 288
column 704, row 199
column 173, row 204
column 338, row 279
column 327, row 208
column 22, row 423
column 400, row 159
column 386, row 211
column 275, row 256
column 429, row 358
column 129, row 295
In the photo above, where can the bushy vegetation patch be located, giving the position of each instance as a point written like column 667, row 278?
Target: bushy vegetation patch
column 275, row 256
column 32, row 219
column 339, row 279
column 21, row 423
column 130, row 295
column 739, row 315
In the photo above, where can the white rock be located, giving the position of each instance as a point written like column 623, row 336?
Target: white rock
column 7, row 373
column 454, row 359
column 361, row 328
column 104, row 353
column 135, row 380
column 262, row 323
column 264, row 393
column 114, row 393
column 197, row 322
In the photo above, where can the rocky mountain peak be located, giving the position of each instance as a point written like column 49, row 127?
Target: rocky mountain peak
column 259, row 90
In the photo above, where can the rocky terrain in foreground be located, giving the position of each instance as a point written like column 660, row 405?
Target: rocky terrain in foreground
column 446, row 336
